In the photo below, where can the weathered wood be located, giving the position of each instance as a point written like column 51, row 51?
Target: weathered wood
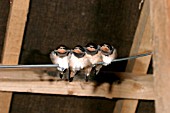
column 125, row 105
column 141, row 65
column 142, row 43
column 142, row 39
column 160, row 17
column 15, row 31
column 12, row 45
column 135, row 87
column 41, row 75
column 5, row 100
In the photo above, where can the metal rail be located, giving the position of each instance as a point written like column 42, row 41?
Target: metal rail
column 55, row 66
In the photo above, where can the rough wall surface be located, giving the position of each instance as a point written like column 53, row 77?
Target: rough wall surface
column 55, row 22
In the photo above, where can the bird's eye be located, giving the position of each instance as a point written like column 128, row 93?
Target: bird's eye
column 76, row 48
column 62, row 47
column 54, row 52
column 105, row 45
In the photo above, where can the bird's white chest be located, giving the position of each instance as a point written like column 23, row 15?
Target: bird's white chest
column 62, row 63
column 77, row 63
column 107, row 60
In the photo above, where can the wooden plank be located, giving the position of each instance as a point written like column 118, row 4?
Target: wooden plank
column 141, row 65
column 160, row 17
column 142, row 43
column 15, row 31
column 5, row 100
column 135, row 87
column 12, row 45
column 41, row 75
column 142, row 38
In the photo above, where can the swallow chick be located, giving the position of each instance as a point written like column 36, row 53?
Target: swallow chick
column 108, row 54
column 93, row 54
column 78, row 61
column 60, row 57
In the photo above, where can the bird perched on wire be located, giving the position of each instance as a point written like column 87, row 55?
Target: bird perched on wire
column 108, row 54
column 93, row 54
column 78, row 61
column 60, row 56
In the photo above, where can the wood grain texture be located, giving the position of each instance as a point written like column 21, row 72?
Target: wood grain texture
column 160, row 17
column 4, row 12
column 12, row 44
column 5, row 100
column 142, row 38
column 142, row 43
column 15, row 31
column 136, row 87
column 141, row 65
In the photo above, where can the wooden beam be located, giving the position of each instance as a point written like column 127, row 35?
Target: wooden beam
column 5, row 100
column 141, row 65
column 142, row 40
column 160, row 17
column 134, row 87
column 12, row 45
column 142, row 43
column 15, row 31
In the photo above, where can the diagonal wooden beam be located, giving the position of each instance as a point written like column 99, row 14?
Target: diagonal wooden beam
column 13, row 41
column 142, row 42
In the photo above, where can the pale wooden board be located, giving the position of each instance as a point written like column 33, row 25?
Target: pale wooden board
column 15, row 30
column 141, row 65
column 141, row 44
column 5, row 99
column 12, row 44
column 160, row 17
column 142, row 38
column 135, row 87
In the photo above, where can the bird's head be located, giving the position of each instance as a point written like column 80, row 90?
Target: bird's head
column 106, row 49
column 92, row 48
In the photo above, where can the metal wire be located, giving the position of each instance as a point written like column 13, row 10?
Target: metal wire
column 129, row 58
column 55, row 66
column 133, row 57
column 30, row 66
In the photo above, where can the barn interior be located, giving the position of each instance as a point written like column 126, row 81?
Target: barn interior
column 74, row 22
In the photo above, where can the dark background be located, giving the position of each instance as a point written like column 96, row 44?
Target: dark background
column 71, row 22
